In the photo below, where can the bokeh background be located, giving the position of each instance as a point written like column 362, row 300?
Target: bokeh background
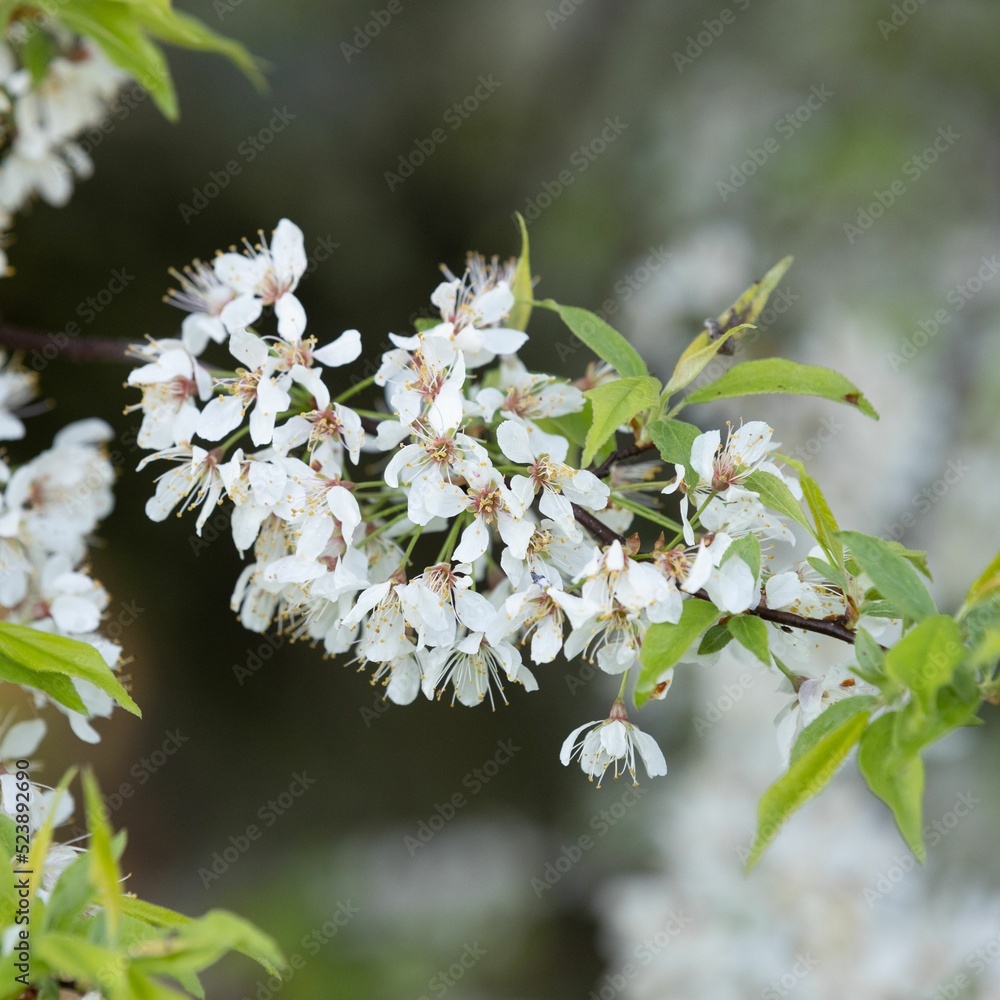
column 666, row 154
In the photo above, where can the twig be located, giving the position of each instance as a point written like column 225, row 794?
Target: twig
column 69, row 347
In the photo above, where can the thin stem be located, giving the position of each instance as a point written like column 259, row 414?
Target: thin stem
column 650, row 515
column 68, row 347
column 385, row 527
column 355, row 389
column 628, row 451
column 413, row 542
column 449, row 542
column 621, row 690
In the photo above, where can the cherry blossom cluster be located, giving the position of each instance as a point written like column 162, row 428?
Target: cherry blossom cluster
column 49, row 507
column 42, row 120
column 533, row 558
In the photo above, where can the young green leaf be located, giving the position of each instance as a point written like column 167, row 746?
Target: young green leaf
column 987, row 583
column 615, row 403
column 751, row 633
column 673, row 440
column 778, row 375
column 716, row 638
column 828, row 720
column 605, row 341
column 746, row 548
column 695, row 358
column 871, row 660
column 751, row 303
column 522, row 286
column 775, row 495
column 104, row 873
column 666, row 643
column 57, row 656
column 806, row 777
column 925, row 659
column 892, row 574
column 897, row 778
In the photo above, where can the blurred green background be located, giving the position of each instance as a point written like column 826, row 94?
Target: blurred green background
column 664, row 163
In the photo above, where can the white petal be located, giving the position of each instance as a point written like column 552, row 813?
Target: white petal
column 345, row 349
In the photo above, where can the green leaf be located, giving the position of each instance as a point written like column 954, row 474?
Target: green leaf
column 778, row 375
column 58, row 687
column 80, row 960
column 115, row 28
column 614, row 404
column 751, row 303
column 828, row 720
column 806, row 777
column 104, row 873
column 896, row 778
column 751, row 633
column 716, row 638
column 178, row 28
column 665, row 644
column 828, row 572
column 673, row 440
column 987, row 583
column 695, row 358
column 522, row 288
column 56, row 655
column 871, row 659
column 916, row 557
column 746, row 548
column 606, row 342
column 826, row 523
column 925, row 659
column 775, row 495
column 895, row 578
column 71, row 895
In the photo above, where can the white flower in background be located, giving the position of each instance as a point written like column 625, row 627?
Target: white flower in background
column 524, row 397
column 472, row 310
column 203, row 295
column 383, row 634
column 256, row 605
column 322, row 503
column 195, row 481
column 490, row 502
column 55, row 500
column 551, row 558
column 402, row 676
column 17, row 387
column 473, row 666
column 440, row 599
column 171, row 384
column 804, row 592
column 729, row 582
column 432, row 458
column 259, row 383
column 425, row 382
column 561, row 485
column 536, row 612
column 723, row 470
column 814, row 696
column 266, row 275
column 613, row 741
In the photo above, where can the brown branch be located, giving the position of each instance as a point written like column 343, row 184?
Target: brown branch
column 628, row 451
column 833, row 628
column 69, row 346
column 598, row 529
